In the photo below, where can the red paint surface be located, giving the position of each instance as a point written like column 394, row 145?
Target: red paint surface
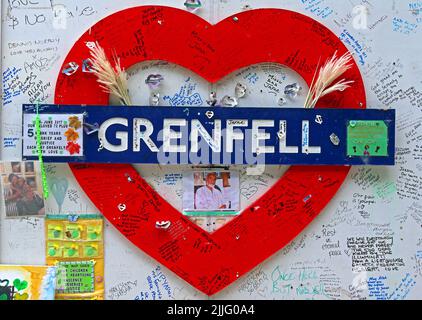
column 209, row 262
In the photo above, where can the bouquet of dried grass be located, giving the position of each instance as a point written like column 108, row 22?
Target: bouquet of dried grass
column 112, row 80
column 328, row 73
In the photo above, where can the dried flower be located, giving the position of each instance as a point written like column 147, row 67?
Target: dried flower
column 328, row 73
column 112, row 80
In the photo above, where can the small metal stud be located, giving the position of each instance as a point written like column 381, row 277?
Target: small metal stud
column 154, row 81
column 162, row 224
column 240, row 90
column 212, row 101
column 229, row 101
column 155, row 99
column 282, row 101
column 335, row 140
column 292, row 90
column 192, row 5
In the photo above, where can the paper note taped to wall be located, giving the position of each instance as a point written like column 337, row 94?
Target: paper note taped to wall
column 75, row 277
column 367, row 138
column 76, row 248
column 61, row 135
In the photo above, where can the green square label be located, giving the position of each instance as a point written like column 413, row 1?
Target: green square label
column 367, row 138
column 75, row 277
column 54, row 249
column 55, row 232
column 73, row 232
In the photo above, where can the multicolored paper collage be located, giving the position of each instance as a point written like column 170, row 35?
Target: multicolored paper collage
column 27, row 282
column 75, row 245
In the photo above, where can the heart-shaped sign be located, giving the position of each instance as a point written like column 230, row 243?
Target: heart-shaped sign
column 209, row 262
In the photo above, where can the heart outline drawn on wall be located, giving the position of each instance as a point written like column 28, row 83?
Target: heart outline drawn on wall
column 58, row 187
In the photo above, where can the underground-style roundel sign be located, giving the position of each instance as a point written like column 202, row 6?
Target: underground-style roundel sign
column 209, row 262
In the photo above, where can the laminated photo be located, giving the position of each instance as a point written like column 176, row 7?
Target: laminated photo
column 22, row 189
column 211, row 192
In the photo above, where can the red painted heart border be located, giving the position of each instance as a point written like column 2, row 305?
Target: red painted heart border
column 209, row 262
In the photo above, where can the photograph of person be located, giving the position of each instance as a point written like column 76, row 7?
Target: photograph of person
column 16, row 167
column 211, row 191
column 31, row 203
column 210, row 196
column 21, row 194
column 29, row 167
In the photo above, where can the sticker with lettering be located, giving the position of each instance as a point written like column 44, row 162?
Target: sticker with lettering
column 367, row 138
column 75, row 277
column 61, row 135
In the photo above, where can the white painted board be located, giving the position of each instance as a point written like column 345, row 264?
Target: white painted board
column 377, row 212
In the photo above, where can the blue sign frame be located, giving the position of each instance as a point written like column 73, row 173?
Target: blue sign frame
column 294, row 129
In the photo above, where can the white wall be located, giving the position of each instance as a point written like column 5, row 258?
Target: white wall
column 375, row 203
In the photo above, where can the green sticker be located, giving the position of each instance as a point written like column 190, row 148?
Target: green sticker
column 75, row 277
column 211, row 213
column 54, row 249
column 92, row 235
column 90, row 251
column 94, row 232
column 70, row 251
column 52, row 252
column 367, row 138
column 73, row 232
column 54, row 232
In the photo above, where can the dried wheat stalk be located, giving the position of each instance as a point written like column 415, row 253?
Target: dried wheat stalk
column 112, row 80
column 328, row 73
